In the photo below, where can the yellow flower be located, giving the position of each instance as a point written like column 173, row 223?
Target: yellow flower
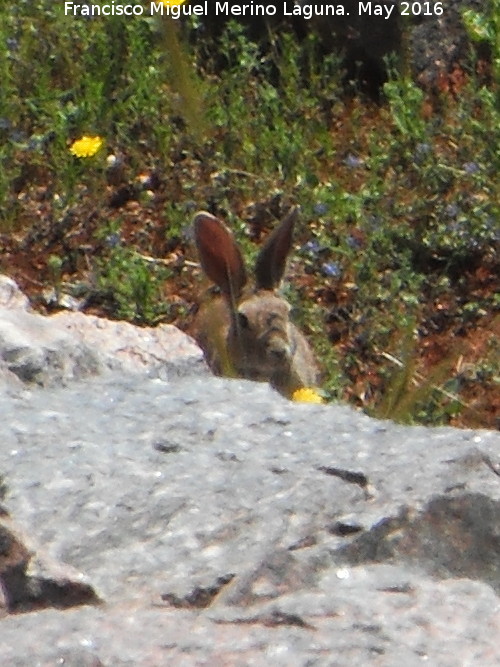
column 169, row 3
column 86, row 146
column 306, row 395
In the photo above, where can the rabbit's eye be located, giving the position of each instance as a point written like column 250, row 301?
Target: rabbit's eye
column 243, row 321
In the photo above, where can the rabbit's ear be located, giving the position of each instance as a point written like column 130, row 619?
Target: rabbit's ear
column 220, row 257
column 271, row 261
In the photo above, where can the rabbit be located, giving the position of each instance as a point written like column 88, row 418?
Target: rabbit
column 246, row 332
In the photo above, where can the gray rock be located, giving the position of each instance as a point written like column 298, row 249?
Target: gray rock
column 194, row 520
column 437, row 44
column 11, row 296
column 221, row 524
column 71, row 345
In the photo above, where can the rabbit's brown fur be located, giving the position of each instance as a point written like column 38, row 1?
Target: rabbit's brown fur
column 247, row 332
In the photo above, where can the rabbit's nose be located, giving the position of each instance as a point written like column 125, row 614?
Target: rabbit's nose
column 279, row 350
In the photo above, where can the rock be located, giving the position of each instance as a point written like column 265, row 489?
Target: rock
column 183, row 519
column 438, row 44
column 11, row 296
column 27, row 585
column 71, row 345
column 221, row 524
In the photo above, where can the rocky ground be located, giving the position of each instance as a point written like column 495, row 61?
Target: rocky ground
column 153, row 514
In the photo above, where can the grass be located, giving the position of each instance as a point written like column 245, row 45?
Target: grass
column 395, row 278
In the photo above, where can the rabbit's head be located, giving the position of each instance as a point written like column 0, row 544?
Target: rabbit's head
column 255, row 338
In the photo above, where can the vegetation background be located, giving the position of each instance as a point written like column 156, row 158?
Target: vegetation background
column 395, row 278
